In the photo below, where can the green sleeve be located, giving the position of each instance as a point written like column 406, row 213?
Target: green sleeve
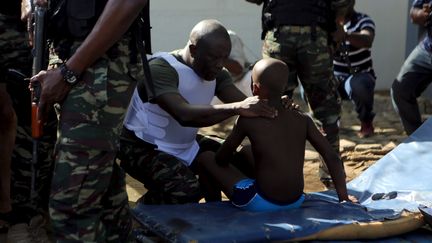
column 165, row 77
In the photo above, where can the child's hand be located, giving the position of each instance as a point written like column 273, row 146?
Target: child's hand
column 353, row 199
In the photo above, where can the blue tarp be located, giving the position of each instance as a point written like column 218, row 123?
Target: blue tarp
column 407, row 170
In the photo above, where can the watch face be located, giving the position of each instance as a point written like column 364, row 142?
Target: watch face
column 71, row 79
column 68, row 75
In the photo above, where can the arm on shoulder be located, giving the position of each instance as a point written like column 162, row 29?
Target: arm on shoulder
column 195, row 115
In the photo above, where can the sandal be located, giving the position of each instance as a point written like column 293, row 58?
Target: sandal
column 387, row 196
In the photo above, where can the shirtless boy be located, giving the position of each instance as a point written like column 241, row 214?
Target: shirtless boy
column 278, row 147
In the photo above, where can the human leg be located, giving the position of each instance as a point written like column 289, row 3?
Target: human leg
column 224, row 176
column 116, row 214
column 90, row 122
column 281, row 44
column 362, row 94
column 361, row 89
column 81, row 178
column 413, row 78
column 316, row 76
column 8, row 125
column 167, row 179
column 14, row 54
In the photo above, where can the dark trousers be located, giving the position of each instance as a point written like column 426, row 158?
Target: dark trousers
column 359, row 88
column 414, row 77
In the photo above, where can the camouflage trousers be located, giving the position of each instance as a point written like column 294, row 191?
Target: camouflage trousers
column 21, row 169
column 16, row 55
column 167, row 179
column 88, row 200
column 306, row 52
column 14, row 48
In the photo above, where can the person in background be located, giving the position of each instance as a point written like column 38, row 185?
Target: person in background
column 415, row 74
column 238, row 66
column 353, row 66
column 301, row 33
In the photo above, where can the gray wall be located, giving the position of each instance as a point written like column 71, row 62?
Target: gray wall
column 172, row 21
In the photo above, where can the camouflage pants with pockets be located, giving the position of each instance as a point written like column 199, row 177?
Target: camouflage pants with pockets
column 16, row 55
column 88, row 200
column 167, row 179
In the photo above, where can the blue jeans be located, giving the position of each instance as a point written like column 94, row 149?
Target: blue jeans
column 413, row 78
column 359, row 88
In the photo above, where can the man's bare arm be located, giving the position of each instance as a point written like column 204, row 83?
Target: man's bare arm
column 230, row 145
column 362, row 39
column 331, row 159
column 111, row 25
column 206, row 115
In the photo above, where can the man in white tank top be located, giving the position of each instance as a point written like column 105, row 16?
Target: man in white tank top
column 159, row 143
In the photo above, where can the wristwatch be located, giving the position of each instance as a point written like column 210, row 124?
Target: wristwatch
column 68, row 75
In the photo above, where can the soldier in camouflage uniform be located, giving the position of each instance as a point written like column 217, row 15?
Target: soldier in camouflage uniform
column 297, row 32
column 14, row 53
column 88, row 201
column 15, row 64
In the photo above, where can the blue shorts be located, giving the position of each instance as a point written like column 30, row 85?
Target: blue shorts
column 245, row 196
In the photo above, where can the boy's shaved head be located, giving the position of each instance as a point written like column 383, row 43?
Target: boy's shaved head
column 270, row 73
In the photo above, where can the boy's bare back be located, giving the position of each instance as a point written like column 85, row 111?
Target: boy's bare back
column 278, row 147
column 278, row 144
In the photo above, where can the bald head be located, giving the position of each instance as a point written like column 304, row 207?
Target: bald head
column 270, row 74
column 208, row 31
column 208, row 47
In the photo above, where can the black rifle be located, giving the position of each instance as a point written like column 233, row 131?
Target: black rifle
column 40, row 62
column 141, row 30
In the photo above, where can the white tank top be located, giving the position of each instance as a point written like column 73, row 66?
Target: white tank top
column 153, row 125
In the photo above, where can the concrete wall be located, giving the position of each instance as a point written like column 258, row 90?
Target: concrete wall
column 172, row 21
column 389, row 48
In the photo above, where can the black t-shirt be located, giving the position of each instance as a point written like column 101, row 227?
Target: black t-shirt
column 11, row 7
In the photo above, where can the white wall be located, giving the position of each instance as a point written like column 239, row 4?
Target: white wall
column 388, row 50
column 172, row 21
